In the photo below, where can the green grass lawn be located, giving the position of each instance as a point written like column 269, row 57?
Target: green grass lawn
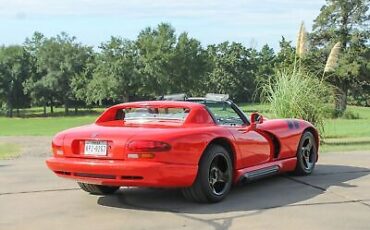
column 344, row 128
column 348, row 134
column 340, row 134
column 41, row 126
column 9, row 151
column 35, row 112
column 33, row 123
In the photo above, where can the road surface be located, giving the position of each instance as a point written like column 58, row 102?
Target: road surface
column 336, row 196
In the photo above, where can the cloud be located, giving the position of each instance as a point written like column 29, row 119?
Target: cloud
column 225, row 13
column 211, row 21
column 150, row 8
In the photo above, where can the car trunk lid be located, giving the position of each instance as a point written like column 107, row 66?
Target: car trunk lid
column 115, row 136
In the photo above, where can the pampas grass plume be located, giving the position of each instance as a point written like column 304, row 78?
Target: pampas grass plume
column 332, row 61
column 301, row 41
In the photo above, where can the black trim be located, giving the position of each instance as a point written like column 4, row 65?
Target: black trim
column 275, row 142
column 232, row 106
column 230, row 103
column 91, row 175
column 238, row 111
column 132, row 177
column 260, row 173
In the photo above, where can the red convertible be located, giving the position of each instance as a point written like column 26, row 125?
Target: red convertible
column 202, row 145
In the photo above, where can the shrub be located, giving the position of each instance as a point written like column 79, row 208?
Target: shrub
column 297, row 94
column 350, row 115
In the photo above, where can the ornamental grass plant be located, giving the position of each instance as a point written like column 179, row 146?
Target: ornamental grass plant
column 297, row 94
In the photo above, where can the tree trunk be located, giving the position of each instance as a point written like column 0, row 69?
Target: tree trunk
column 51, row 106
column 9, row 106
column 44, row 110
column 76, row 110
column 66, row 107
column 10, row 112
column 341, row 101
column 17, row 112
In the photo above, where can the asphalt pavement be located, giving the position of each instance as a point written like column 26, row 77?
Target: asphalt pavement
column 335, row 196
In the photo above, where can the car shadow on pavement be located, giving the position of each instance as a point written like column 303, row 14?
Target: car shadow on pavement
column 267, row 193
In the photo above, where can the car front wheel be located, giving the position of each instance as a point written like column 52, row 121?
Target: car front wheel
column 214, row 177
column 306, row 155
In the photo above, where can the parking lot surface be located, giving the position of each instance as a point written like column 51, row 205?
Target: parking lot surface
column 336, row 196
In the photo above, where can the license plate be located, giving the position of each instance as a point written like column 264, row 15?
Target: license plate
column 96, row 148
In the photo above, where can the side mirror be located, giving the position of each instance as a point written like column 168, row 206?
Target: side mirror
column 256, row 119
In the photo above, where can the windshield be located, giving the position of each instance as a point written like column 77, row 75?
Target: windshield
column 224, row 113
column 147, row 114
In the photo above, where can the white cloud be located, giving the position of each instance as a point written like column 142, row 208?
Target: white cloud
column 208, row 20
column 230, row 13
column 150, row 8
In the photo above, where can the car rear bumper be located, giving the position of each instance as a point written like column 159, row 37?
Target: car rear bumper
column 124, row 173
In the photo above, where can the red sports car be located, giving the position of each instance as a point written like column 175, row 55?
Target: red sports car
column 202, row 145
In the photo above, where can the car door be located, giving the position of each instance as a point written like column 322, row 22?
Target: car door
column 253, row 147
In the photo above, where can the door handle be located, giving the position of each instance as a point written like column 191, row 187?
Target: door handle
column 245, row 130
column 242, row 130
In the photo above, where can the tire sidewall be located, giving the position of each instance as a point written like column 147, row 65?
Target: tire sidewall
column 204, row 168
column 300, row 164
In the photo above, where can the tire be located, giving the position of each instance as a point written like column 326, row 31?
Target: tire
column 97, row 189
column 306, row 155
column 214, row 178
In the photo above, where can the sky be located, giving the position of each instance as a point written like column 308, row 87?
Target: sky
column 251, row 22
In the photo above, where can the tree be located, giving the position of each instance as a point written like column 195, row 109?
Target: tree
column 156, row 50
column 360, row 90
column 115, row 76
column 80, row 83
column 266, row 58
column 58, row 60
column 189, row 65
column 36, row 87
column 345, row 21
column 232, row 72
column 265, row 61
column 15, row 68
column 285, row 58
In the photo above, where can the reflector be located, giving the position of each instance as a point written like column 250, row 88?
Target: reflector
column 148, row 146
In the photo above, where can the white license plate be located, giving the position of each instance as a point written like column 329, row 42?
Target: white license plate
column 96, row 148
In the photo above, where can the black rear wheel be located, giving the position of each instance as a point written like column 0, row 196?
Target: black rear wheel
column 306, row 154
column 98, row 189
column 214, row 177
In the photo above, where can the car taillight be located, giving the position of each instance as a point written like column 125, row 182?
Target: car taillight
column 57, row 150
column 140, row 155
column 148, row 146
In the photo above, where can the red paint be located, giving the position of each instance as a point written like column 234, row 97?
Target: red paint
column 170, row 149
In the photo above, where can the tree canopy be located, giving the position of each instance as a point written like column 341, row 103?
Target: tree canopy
column 60, row 71
column 347, row 22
